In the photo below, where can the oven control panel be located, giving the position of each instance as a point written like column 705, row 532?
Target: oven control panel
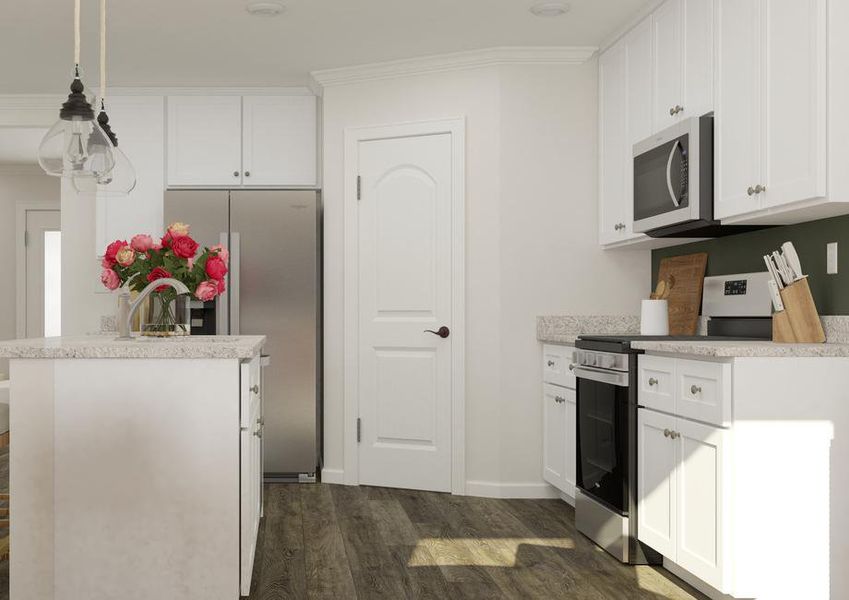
column 601, row 360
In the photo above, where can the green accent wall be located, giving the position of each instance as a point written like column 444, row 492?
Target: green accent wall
column 743, row 253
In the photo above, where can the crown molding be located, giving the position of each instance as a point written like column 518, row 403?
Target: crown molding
column 519, row 55
column 619, row 33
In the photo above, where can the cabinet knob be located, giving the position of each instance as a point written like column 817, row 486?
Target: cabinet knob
column 247, row 173
column 559, row 399
column 666, row 433
column 571, row 367
column 671, row 111
column 235, row 173
column 694, row 389
column 255, row 389
column 760, row 188
column 550, row 363
column 652, row 381
column 674, row 435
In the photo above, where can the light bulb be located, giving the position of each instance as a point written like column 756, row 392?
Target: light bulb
column 77, row 151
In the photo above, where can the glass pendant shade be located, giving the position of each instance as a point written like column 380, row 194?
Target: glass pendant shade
column 121, row 180
column 76, row 145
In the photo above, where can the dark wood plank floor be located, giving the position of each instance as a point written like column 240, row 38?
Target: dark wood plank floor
column 335, row 542
column 332, row 542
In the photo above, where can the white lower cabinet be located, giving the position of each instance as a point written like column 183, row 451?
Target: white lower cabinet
column 251, row 468
column 680, row 481
column 559, row 414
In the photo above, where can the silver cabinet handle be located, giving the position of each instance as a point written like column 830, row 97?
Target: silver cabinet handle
column 666, row 433
column 247, row 173
column 694, row 389
column 760, row 188
column 550, row 363
column 671, row 111
column 255, row 389
column 559, row 399
column 751, row 191
column 674, row 435
column 652, row 381
column 235, row 173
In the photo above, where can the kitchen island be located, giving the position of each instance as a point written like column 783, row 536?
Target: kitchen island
column 135, row 470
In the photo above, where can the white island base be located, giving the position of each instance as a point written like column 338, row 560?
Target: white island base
column 133, row 478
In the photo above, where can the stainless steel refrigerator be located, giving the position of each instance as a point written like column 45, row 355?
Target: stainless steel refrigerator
column 273, row 289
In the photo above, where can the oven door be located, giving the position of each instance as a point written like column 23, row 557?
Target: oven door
column 603, row 403
column 665, row 171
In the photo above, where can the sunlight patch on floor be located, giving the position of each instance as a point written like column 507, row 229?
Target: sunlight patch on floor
column 477, row 552
column 648, row 579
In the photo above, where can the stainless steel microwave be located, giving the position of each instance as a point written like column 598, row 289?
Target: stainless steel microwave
column 673, row 181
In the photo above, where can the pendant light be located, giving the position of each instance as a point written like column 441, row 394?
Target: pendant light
column 76, row 146
column 121, row 180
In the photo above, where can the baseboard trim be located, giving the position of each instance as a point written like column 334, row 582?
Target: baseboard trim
column 694, row 581
column 333, row 476
column 493, row 489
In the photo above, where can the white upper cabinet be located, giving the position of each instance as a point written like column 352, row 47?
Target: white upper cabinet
column 682, row 34
column 204, row 140
column 771, row 105
column 279, row 140
column 613, row 144
column 235, row 141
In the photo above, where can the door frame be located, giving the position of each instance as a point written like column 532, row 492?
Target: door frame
column 21, row 210
column 456, row 128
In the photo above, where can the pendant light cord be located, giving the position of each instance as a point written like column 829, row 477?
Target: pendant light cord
column 77, row 36
column 102, row 53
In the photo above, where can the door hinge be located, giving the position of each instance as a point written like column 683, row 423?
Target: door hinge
column 359, row 429
column 359, row 187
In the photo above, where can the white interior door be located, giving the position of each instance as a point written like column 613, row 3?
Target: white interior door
column 43, row 274
column 405, row 288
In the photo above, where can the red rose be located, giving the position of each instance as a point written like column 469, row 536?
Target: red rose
column 165, row 242
column 184, row 246
column 159, row 273
column 221, row 287
column 111, row 251
column 216, row 268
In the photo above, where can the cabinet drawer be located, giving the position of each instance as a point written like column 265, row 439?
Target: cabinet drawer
column 704, row 391
column 656, row 376
column 556, row 363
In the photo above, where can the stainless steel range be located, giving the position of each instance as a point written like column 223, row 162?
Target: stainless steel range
column 605, row 366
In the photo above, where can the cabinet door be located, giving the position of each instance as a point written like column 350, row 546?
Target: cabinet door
column 554, row 435
column 250, row 494
column 279, row 137
column 656, row 481
column 638, row 82
column 668, row 63
column 204, row 140
column 699, row 507
column 739, row 114
column 698, row 74
column 656, row 382
column 613, row 144
column 570, row 472
column 795, row 137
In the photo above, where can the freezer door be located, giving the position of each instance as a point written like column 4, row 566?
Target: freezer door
column 208, row 214
column 275, row 292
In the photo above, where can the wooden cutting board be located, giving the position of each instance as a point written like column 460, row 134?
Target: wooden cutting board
column 685, row 298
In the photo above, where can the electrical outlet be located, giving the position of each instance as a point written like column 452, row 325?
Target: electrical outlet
column 831, row 258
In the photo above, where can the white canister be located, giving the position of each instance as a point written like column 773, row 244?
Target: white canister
column 654, row 317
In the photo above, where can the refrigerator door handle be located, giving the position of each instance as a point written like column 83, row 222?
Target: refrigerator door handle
column 233, row 292
column 222, row 304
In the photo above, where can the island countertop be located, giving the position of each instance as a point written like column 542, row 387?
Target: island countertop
column 108, row 346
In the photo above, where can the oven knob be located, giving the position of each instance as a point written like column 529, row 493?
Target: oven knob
column 590, row 360
column 605, row 362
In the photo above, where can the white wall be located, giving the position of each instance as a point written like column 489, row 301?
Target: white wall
column 17, row 184
column 531, row 241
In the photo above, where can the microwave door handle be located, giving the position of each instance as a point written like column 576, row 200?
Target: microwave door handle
column 672, row 193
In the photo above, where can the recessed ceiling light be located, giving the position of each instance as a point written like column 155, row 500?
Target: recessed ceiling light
column 265, row 9
column 550, row 9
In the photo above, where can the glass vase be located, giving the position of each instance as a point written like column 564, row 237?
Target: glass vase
column 165, row 314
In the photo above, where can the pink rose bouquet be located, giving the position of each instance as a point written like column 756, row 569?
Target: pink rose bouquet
column 142, row 261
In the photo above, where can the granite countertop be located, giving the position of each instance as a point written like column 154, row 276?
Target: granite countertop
column 107, row 346
column 566, row 329
column 744, row 349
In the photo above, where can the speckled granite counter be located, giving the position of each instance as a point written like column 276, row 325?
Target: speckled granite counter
column 744, row 349
column 566, row 329
column 107, row 346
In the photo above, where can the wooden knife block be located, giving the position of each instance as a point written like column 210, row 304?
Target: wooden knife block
column 799, row 322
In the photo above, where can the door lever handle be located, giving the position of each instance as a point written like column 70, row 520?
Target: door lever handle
column 442, row 332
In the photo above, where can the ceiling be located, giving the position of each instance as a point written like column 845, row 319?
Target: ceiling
column 216, row 42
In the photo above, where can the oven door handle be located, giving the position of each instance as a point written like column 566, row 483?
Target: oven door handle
column 675, row 200
column 618, row 378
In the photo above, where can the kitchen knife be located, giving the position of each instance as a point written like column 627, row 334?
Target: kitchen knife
column 770, row 266
column 788, row 251
column 782, row 267
column 777, row 304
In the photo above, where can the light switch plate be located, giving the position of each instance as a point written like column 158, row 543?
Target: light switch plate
column 831, row 258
